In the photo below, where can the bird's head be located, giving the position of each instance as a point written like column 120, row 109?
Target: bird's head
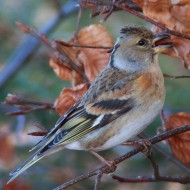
column 136, row 48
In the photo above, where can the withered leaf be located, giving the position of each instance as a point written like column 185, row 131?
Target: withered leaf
column 68, row 97
column 91, row 60
column 180, row 144
column 174, row 15
column 94, row 60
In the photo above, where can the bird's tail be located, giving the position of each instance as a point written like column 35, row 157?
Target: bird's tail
column 44, row 151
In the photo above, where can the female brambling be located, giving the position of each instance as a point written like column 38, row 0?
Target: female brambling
column 126, row 96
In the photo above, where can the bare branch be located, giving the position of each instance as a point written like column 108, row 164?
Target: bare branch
column 98, row 180
column 53, row 48
column 176, row 77
column 26, row 105
column 143, row 179
column 154, row 166
column 172, row 32
column 153, row 140
column 126, row 7
column 81, row 46
column 24, row 51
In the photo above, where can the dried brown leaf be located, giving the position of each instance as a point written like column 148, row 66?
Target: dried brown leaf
column 174, row 15
column 91, row 60
column 64, row 71
column 94, row 60
column 180, row 144
column 181, row 50
column 68, row 97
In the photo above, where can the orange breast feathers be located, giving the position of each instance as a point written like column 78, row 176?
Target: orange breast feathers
column 150, row 85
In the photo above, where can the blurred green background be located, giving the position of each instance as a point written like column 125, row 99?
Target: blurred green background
column 36, row 80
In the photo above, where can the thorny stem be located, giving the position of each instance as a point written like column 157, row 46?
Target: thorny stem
column 153, row 140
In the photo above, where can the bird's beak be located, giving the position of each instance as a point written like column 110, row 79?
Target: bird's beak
column 162, row 42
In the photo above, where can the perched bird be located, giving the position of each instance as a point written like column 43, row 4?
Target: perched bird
column 126, row 96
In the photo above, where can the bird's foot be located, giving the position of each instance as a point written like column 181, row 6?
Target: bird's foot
column 112, row 165
column 142, row 142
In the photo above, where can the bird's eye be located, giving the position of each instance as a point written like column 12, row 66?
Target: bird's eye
column 142, row 42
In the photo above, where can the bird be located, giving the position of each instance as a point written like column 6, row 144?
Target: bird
column 121, row 102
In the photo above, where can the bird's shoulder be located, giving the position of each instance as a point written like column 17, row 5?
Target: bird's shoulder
column 110, row 84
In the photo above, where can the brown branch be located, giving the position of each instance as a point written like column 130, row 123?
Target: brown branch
column 153, row 140
column 172, row 32
column 98, row 180
column 156, row 178
column 53, row 48
column 167, row 154
column 78, row 23
column 28, row 46
column 128, row 8
column 144, row 179
column 37, row 133
column 81, row 46
column 154, row 166
column 26, row 105
column 175, row 77
column 75, row 67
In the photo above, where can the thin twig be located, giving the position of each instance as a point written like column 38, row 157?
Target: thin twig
column 78, row 23
column 28, row 46
column 167, row 154
column 26, row 105
column 155, row 178
column 172, row 32
column 27, row 109
column 13, row 99
column 71, row 63
column 98, row 180
column 144, row 179
column 154, row 165
column 131, row 10
column 81, row 46
column 54, row 47
column 153, row 140
column 175, row 77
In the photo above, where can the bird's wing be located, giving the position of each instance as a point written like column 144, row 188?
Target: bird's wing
column 58, row 125
column 108, row 98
